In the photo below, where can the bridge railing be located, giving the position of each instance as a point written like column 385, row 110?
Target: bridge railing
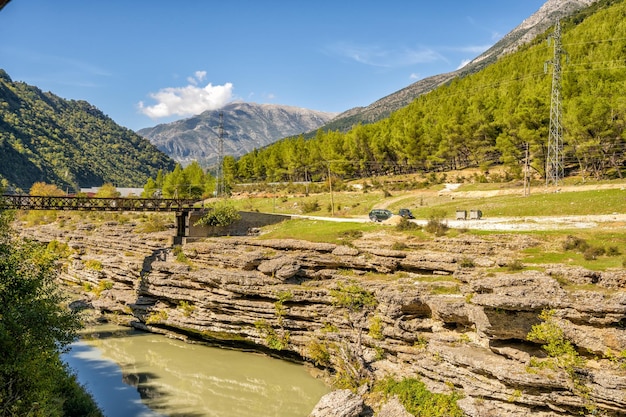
column 30, row 202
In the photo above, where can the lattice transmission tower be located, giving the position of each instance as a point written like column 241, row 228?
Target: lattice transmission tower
column 554, row 160
column 219, row 180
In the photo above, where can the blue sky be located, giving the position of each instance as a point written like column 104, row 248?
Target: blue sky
column 145, row 62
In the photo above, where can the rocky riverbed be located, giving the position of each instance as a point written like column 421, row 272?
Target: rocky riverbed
column 446, row 310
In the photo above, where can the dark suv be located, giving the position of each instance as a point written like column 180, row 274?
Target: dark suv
column 379, row 215
column 406, row 213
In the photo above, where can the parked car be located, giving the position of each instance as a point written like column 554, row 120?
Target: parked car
column 406, row 213
column 379, row 215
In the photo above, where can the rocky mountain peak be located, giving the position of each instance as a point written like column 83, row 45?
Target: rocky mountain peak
column 537, row 23
column 247, row 126
column 534, row 25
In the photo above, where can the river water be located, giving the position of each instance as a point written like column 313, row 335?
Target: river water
column 137, row 374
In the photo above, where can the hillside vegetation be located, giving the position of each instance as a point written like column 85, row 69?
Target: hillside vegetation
column 490, row 117
column 68, row 143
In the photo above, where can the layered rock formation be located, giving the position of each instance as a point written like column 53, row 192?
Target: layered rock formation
column 446, row 311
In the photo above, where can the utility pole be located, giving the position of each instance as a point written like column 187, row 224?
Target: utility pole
column 332, row 198
column 219, row 180
column 554, row 161
column 527, row 172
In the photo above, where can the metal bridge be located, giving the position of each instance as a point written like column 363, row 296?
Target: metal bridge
column 35, row 202
column 182, row 207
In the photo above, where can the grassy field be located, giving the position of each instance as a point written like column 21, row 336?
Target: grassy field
column 494, row 200
column 606, row 245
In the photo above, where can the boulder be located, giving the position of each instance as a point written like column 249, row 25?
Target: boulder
column 340, row 403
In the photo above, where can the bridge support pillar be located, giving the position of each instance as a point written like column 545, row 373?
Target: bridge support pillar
column 182, row 227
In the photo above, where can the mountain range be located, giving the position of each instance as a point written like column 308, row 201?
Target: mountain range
column 524, row 33
column 73, row 144
column 251, row 126
column 245, row 127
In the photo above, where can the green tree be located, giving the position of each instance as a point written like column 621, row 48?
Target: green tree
column 229, row 170
column 358, row 303
column 107, row 190
column 176, row 184
column 149, row 189
column 34, row 329
column 196, row 177
column 47, row 190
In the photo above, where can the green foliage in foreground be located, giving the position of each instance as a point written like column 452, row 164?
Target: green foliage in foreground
column 353, row 297
column 34, row 329
column 561, row 352
column 418, row 401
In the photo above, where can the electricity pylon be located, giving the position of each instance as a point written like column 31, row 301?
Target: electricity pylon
column 554, row 160
column 219, row 180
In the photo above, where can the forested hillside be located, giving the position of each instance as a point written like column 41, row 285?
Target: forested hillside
column 490, row 117
column 68, row 143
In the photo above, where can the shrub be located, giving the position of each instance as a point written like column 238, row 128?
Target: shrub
column 311, row 206
column 592, row 253
column 157, row 317
column 279, row 305
column 273, row 340
column 186, row 307
column 60, row 249
column 376, row 328
column 221, row 213
column 319, row 353
column 575, row 243
column 399, row 246
column 152, row 223
column 515, row 265
column 560, row 350
column 102, row 286
column 436, row 225
column 93, row 264
column 613, row 251
column 421, row 342
column 353, row 297
column 405, row 224
column 180, row 254
column 467, row 263
column 418, row 401
column 351, row 234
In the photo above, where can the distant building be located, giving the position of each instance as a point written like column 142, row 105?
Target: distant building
column 124, row 192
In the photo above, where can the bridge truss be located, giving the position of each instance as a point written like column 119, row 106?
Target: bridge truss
column 30, row 202
column 181, row 207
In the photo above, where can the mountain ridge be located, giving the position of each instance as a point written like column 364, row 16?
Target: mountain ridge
column 69, row 143
column 185, row 145
column 247, row 126
column 522, row 34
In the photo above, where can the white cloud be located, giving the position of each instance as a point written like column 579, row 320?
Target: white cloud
column 198, row 76
column 189, row 100
column 415, row 76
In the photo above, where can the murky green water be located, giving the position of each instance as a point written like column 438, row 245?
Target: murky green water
column 153, row 376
